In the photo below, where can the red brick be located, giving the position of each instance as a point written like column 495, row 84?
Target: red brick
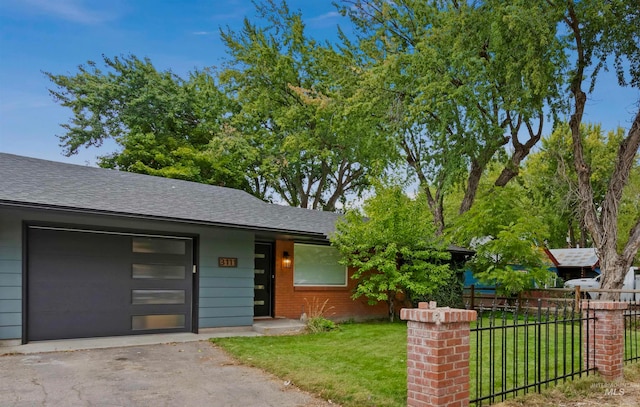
column 289, row 302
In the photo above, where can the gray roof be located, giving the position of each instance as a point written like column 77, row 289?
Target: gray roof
column 586, row 257
column 36, row 182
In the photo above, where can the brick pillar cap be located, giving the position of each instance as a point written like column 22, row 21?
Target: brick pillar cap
column 437, row 315
column 604, row 305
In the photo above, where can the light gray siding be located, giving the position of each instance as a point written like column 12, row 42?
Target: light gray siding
column 225, row 295
column 10, row 276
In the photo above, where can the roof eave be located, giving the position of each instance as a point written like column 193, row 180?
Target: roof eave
column 88, row 211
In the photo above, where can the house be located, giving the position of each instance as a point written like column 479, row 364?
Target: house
column 89, row 252
column 574, row 263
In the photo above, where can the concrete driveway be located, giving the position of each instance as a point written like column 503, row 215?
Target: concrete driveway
column 179, row 374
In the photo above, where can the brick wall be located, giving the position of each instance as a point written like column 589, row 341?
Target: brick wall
column 291, row 302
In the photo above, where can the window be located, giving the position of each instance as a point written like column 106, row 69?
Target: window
column 157, row 297
column 171, row 321
column 158, row 245
column 157, row 271
column 318, row 266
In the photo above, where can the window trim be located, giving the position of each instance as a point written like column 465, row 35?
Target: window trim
column 323, row 286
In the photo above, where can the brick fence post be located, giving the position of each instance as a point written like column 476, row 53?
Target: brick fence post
column 437, row 355
column 603, row 338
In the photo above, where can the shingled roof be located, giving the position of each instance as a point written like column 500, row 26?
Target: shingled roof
column 34, row 182
column 586, row 257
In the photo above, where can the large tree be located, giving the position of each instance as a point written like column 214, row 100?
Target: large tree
column 462, row 84
column 550, row 176
column 294, row 92
column 600, row 32
column 163, row 124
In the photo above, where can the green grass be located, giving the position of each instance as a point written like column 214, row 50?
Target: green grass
column 357, row 365
column 365, row 364
column 510, row 355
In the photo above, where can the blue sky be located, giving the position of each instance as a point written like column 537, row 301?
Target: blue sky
column 181, row 35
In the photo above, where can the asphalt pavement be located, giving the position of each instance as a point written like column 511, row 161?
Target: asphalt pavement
column 162, row 375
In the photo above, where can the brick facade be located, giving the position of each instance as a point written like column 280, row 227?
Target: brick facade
column 291, row 301
column 605, row 347
column 437, row 355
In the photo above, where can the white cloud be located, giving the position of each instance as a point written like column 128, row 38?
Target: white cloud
column 326, row 16
column 70, row 10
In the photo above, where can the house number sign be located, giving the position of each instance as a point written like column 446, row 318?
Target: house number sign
column 227, row 262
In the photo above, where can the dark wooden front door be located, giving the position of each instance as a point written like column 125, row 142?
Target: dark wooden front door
column 263, row 272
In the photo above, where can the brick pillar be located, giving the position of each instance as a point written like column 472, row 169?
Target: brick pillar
column 603, row 339
column 437, row 355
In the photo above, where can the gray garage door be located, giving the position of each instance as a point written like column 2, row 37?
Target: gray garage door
column 86, row 284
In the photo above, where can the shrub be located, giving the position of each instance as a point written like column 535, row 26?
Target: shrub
column 315, row 318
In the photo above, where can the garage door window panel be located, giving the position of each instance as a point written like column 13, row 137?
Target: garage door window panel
column 152, row 322
column 316, row 265
column 158, row 271
column 158, row 245
column 157, row 297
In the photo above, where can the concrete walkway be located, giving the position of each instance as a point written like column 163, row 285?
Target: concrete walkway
column 261, row 327
column 63, row 345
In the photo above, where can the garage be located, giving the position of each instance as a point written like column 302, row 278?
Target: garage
column 89, row 283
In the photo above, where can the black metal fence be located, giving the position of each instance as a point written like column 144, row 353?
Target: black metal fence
column 632, row 332
column 519, row 348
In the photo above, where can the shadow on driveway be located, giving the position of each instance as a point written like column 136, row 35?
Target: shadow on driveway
column 182, row 374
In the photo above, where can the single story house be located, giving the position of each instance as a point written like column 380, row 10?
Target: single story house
column 574, row 263
column 89, row 252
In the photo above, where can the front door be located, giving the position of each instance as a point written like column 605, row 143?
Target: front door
column 263, row 280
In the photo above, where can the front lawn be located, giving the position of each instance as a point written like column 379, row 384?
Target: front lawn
column 365, row 364
column 358, row 365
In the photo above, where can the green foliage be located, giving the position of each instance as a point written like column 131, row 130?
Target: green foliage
column 551, row 179
column 597, row 33
column 320, row 324
column 448, row 295
column 295, row 96
column 451, row 79
column 507, row 240
column 394, row 249
column 164, row 124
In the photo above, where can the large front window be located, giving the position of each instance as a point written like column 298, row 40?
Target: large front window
column 316, row 265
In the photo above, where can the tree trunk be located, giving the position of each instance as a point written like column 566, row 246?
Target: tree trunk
column 392, row 310
column 473, row 182
column 604, row 228
column 572, row 235
column 602, row 224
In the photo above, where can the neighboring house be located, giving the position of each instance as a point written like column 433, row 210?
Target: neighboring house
column 574, row 263
column 88, row 252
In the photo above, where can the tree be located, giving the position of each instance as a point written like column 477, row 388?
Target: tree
column 551, row 176
column 508, row 241
column 600, row 31
column 294, row 94
column 394, row 249
column 459, row 82
column 163, row 123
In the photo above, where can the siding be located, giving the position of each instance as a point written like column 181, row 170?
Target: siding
column 225, row 295
column 10, row 277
